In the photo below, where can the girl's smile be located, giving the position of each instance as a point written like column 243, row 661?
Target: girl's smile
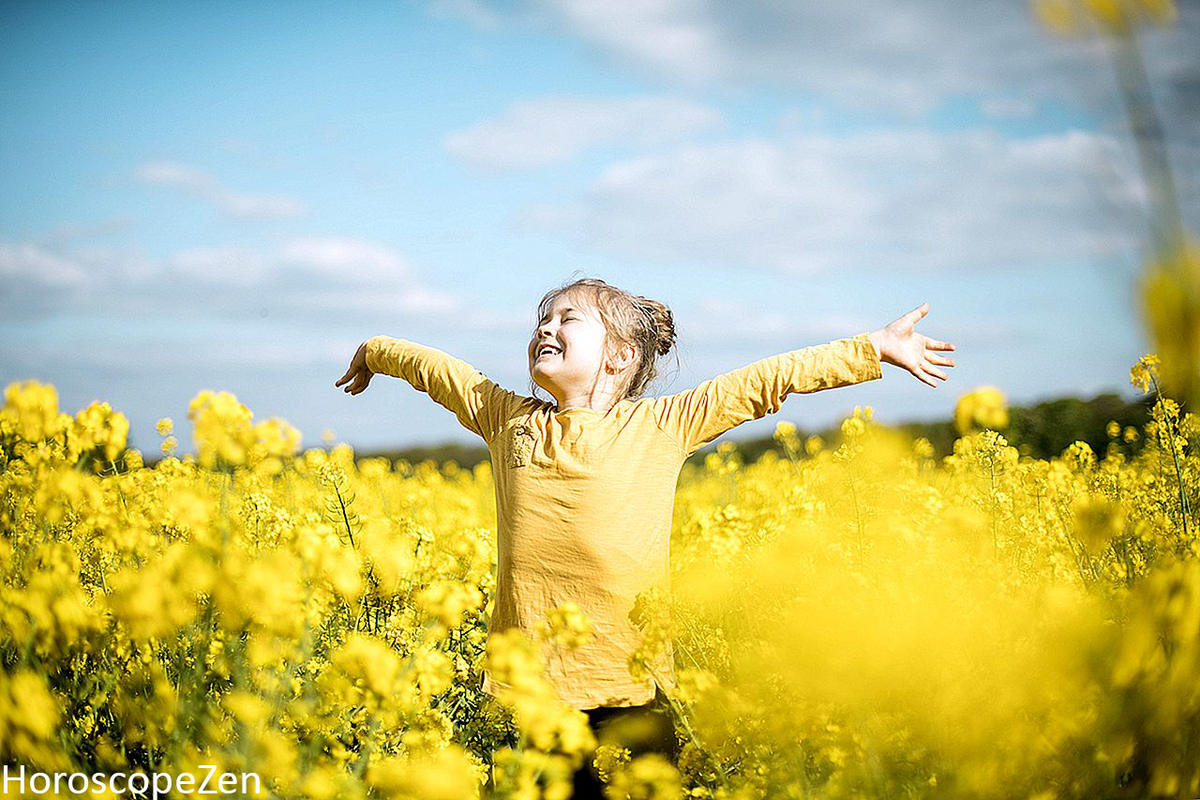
column 567, row 355
column 567, row 326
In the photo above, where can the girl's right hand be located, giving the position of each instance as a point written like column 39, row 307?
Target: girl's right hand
column 357, row 374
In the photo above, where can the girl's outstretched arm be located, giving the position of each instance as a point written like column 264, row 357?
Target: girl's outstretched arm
column 697, row 416
column 480, row 405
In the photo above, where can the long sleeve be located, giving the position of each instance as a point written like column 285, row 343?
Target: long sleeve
column 480, row 405
column 697, row 416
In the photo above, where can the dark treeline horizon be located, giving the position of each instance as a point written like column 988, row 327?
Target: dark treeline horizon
column 1041, row 430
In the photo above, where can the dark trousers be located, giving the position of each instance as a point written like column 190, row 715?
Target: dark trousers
column 648, row 728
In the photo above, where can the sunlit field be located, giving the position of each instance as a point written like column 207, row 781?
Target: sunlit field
column 852, row 618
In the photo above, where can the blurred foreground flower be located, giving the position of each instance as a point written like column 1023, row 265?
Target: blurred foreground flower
column 1171, row 303
column 983, row 408
column 1115, row 16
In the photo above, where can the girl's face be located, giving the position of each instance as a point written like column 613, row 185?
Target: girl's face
column 566, row 353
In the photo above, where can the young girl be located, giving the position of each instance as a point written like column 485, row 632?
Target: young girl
column 585, row 483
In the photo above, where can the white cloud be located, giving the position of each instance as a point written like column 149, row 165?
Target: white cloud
column 726, row 320
column 885, row 58
column 552, row 130
column 348, row 260
column 903, row 198
column 353, row 258
column 390, row 299
column 723, row 320
column 423, row 301
column 876, row 55
column 74, row 231
column 246, row 206
column 202, row 185
column 230, row 265
column 671, row 36
column 38, row 265
column 301, row 276
column 472, row 11
column 177, row 176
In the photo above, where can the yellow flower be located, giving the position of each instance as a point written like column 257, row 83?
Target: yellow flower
column 99, row 426
column 1097, row 520
column 390, row 554
column 448, row 773
column 566, row 625
column 1171, row 304
column 30, row 705
column 923, row 448
column 434, row 670
column 375, row 663
column 449, row 600
column 221, row 428
column 1116, row 16
column 982, row 408
column 273, row 442
column 32, row 408
column 1142, row 373
column 853, row 427
column 648, row 776
column 266, row 592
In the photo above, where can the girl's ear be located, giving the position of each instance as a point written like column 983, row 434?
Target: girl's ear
column 624, row 357
column 628, row 356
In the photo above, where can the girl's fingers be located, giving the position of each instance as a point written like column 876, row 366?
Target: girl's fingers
column 350, row 373
column 940, row 360
column 354, row 387
column 357, row 365
column 930, row 370
column 920, row 375
column 927, row 375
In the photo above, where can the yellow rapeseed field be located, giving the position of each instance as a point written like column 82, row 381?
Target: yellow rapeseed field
column 858, row 621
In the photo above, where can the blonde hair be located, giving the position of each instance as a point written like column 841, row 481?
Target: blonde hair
column 628, row 319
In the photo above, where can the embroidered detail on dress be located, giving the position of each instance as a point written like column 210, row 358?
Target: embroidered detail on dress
column 521, row 446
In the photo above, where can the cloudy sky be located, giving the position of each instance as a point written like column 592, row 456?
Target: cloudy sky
column 235, row 195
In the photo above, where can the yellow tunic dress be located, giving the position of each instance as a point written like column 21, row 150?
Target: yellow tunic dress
column 584, row 498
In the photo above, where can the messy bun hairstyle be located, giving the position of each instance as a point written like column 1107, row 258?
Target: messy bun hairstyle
column 629, row 319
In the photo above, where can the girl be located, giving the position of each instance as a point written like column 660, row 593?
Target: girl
column 585, row 483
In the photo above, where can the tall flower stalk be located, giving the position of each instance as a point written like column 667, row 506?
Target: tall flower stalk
column 1170, row 285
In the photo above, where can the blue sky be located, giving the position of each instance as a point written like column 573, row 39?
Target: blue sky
column 234, row 195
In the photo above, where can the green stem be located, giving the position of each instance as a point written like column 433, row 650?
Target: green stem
column 681, row 715
column 1183, row 503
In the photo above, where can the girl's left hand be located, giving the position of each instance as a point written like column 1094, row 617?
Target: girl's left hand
column 902, row 346
column 358, row 375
